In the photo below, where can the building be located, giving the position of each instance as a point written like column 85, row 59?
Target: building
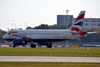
column 88, row 22
column 63, row 19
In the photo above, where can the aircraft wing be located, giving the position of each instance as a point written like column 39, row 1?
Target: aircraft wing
column 90, row 33
column 74, row 32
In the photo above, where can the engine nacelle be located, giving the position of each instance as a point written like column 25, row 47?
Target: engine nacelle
column 19, row 42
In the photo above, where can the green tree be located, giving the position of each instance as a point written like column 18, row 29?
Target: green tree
column 1, row 35
column 42, row 26
column 29, row 27
column 69, row 25
column 54, row 27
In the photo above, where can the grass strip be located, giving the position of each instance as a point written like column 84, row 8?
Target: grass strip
column 47, row 64
column 64, row 52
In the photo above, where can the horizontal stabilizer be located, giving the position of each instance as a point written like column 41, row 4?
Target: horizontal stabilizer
column 74, row 32
column 91, row 32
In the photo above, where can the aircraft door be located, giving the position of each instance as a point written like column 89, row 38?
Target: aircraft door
column 65, row 34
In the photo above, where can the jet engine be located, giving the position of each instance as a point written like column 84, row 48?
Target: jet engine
column 19, row 42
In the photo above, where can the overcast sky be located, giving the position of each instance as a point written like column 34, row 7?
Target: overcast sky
column 35, row 12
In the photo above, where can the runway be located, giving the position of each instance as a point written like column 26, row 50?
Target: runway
column 49, row 59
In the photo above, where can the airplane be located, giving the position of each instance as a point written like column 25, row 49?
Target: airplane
column 47, row 36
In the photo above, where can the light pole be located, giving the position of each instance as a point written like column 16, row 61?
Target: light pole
column 67, row 17
column 67, row 21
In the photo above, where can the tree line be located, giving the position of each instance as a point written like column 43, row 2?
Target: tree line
column 45, row 26
column 1, row 35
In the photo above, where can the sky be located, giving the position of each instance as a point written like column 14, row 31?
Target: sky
column 23, row 13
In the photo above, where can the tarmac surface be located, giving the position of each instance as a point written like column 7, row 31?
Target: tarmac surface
column 49, row 59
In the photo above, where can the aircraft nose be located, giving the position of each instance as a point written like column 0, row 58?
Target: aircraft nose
column 4, row 37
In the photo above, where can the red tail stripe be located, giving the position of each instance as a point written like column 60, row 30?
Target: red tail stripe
column 75, row 29
column 80, row 17
column 79, row 31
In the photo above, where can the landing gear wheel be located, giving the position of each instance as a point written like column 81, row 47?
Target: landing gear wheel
column 14, row 46
column 33, row 46
column 49, row 45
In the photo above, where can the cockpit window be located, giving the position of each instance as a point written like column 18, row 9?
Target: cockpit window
column 8, row 34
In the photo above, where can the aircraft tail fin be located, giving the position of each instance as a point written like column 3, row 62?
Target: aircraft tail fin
column 78, row 24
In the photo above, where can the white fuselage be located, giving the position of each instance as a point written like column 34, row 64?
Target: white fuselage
column 42, row 34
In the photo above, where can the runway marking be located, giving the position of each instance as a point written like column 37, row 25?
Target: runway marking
column 49, row 59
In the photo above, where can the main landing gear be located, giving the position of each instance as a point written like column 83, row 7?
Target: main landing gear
column 14, row 46
column 49, row 45
column 33, row 46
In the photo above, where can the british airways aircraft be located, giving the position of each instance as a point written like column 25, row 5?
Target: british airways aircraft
column 47, row 36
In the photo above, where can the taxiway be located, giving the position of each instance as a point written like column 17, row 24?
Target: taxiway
column 49, row 59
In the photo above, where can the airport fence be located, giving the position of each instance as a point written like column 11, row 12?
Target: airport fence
column 70, row 44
